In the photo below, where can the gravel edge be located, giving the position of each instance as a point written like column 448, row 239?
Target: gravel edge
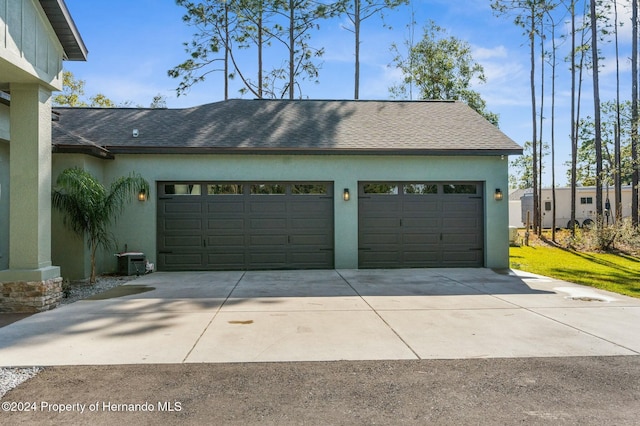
column 77, row 290
column 12, row 377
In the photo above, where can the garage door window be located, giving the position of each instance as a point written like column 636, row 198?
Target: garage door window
column 460, row 189
column 224, row 189
column 420, row 188
column 182, row 189
column 380, row 189
column 309, row 189
column 268, row 189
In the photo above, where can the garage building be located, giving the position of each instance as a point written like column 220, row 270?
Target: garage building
column 305, row 184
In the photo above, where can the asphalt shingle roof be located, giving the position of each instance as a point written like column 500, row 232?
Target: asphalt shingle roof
column 303, row 126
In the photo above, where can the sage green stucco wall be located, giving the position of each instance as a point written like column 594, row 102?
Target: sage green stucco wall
column 69, row 251
column 4, row 205
column 4, row 187
column 4, row 122
column 137, row 226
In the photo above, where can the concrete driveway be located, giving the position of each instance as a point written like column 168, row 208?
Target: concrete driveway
column 223, row 317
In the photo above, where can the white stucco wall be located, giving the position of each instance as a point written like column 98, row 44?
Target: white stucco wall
column 137, row 226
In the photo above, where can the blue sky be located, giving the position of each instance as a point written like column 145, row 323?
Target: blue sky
column 132, row 44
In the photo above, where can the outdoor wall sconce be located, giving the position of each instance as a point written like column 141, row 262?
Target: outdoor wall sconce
column 498, row 195
column 345, row 194
column 142, row 195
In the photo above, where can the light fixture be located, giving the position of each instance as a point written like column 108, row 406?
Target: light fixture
column 498, row 195
column 142, row 195
column 345, row 194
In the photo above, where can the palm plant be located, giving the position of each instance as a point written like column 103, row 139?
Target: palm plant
column 89, row 208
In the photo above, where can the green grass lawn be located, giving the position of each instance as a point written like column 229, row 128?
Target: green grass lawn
column 613, row 272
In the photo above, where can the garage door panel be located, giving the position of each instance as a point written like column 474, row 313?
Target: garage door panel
column 471, row 211
column 225, row 241
column 380, row 223
column 269, row 224
column 223, row 224
column 235, row 207
column 183, row 208
column 461, row 258
column 423, row 239
column 411, row 223
column 301, row 225
column 463, row 239
column 223, row 260
column 421, row 207
column 379, row 259
column 267, row 207
column 183, row 241
column 377, row 206
column 422, row 259
column 464, row 207
column 368, row 240
column 319, row 240
column 268, row 239
column 179, row 260
column 456, row 223
column 268, row 260
column 183, row 225
column 471, row 214
column 310, row 207
column 424, row 215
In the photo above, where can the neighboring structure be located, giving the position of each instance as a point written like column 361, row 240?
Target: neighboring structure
column 270, row 184
column 585, row 206
column 515, row 207
column 35, row 37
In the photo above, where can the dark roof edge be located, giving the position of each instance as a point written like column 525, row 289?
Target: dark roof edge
column 309, row 151
column 400, row 101
column 65, row 29
column 94, row 151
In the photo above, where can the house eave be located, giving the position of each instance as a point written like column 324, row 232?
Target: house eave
column 307, row 151
column 80, row 149
column 65, row 29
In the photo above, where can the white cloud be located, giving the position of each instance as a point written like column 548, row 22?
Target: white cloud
column 483, row 53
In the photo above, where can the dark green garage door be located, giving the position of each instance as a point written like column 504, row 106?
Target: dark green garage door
column 418, row 225
column 262, row 225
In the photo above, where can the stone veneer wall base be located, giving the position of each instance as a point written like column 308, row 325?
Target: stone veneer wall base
column 30, row 297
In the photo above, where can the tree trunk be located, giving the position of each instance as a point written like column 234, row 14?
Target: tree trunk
column 553, row 131
column 596, row 111
column 292, row 48
column 634, row 113
column 94, row 248
column 260, row 43
column 356, row 30
column 540, row 143
column 534, row 138
column 226, row 51
column 617, row 181
column 574, row 143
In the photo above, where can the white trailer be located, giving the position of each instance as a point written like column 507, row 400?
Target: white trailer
column 585, row 206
